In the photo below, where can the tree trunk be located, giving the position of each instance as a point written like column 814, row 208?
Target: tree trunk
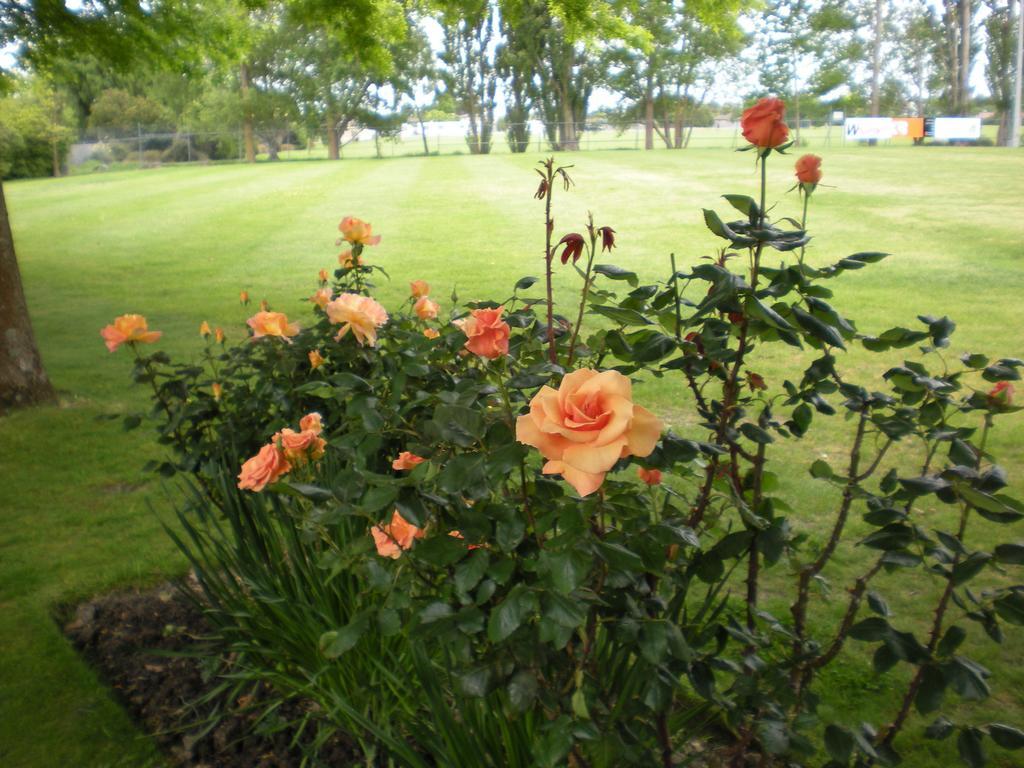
column 22, row 378
column 332, row 136
column 649, row 107
column 677, row 141
column 423, row 131
column 247, row 119
column 965, row 55
column 876, row 61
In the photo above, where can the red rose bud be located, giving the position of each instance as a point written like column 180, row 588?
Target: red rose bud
column 735, row 318
column 763, row 124
column 1001, row 395
column 808, row 169
column 607, row 238
column 756, row 381
column 649, row 476
column 694, row 338
column 573, row 247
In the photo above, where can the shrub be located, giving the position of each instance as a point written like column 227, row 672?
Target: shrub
column 472, row 514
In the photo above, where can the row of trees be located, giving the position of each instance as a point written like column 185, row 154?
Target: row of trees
column 272, row 68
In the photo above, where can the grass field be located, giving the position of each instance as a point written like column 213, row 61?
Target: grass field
column 177, row 244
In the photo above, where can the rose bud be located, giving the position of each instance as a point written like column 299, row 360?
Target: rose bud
column 755, row 381
column 573, row 247
column 542, row 190
column 649, row 476
column 808, row 170
column 607, row 238
column 1001, row 395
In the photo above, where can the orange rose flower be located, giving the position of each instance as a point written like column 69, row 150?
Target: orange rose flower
column 419, row 288
column 426, row 309
column 587, row 425
column 323, row 276
column 204, row 329
column 406, row 460
column 321, row 297
column 272, row 324
column 486, row 333
column 357, row 232
column 359, row 314
column 649, row 476
column 431, row 333
column 264, row 468
column 128, row 329
column 315, row 359
column 763, row 124
column 312, row 422
column 808, row 169
column 217, row 390
column 243, row 297
column 219, row 335
column 395, row 537
column 300, row 446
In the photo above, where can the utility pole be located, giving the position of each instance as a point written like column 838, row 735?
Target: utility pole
column 1017, row 84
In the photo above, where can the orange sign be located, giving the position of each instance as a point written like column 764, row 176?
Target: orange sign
column 908, row 127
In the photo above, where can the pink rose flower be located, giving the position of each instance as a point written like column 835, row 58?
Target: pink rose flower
column 486, row 333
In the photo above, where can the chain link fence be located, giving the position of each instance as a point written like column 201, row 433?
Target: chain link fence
column 147, row 149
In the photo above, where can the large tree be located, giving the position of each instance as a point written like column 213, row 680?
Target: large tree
column 469, row 67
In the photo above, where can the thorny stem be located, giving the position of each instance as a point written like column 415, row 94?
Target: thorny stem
column 675, row 298
column 803, row 223
column 799, row 607
column 506, row 398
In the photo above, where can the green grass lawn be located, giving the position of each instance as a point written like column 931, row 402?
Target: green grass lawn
column 177, row 244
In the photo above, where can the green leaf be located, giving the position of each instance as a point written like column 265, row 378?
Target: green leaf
column 525, row 282
column 333, row 644
column 821, row 470
column 564, row 611
column 619, row 557
column 870, row 629
column 564, row 570
column 744, row 204
column 1010, row 607
column 951, row 640
column 509, row 614
column 522, row 690
column 617, row 273
column 653, row 641
column 839, row 743
column 475, row 682
column 969, row 745
column 818, row 329
column 389, row 622
column 1006, row 736
column 940, row 729
column 931, row 691
column 969, row 568
column 435, row 611
column 756, row 434
column 774, row 736
column 1011, row 554
column 620, row 315
column 469, row 572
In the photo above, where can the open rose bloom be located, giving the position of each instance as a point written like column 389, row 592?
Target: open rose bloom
column 486, row 333
column 357, row 232
column 272, row 324
column 426, row 309
column 586, row 425
column 300, row 447
column 395, row 537
column 128, row 329
column 264, row 468
column 406, row 460
column 359, row 314
column 764, row 124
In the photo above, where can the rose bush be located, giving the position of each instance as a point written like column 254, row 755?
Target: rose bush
column 486, row 550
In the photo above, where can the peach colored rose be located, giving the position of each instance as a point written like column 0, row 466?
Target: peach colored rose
column 272, row 324
column 808, row 169
column 219, row 335
column 243, row 297
column 431, row 333
column 217, row 390
column 763, row 124
column 204, row 329
column 419, row 289
column 357, row 232
column 321, row 297
column 586, row 425
column 649, row 476
column 395, row 537
column 406, row 460
column 312, row 422
column 323, row 276
column 426, row 309
column 486, row 333
column 359, row 314
column 264, row 468
column 128, row 329
column 315, row 359
column 300, row 446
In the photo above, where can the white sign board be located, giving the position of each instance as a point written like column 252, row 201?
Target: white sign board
column 868, row 128
column 953, row 128
column 837, row 117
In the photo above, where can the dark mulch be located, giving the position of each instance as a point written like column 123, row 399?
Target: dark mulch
column 123, row 636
